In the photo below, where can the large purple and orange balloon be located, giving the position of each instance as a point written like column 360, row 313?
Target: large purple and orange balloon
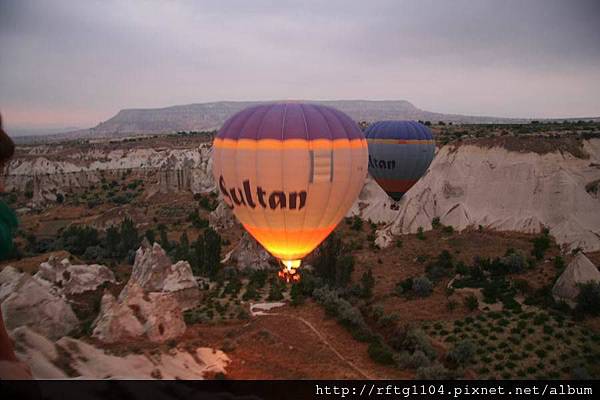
column 290, row 172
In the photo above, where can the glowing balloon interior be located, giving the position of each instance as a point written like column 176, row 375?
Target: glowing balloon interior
column 399, row 154
column 290, row 172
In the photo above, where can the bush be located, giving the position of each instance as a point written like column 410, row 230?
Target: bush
column 420, row 233
column 76, row 239
column 462, row 352
column 559, row 263
column 94, row 253
column 367, row 282
column 471, row 302
column 541, row 244
column 514, row 262
column 422, row 286
column 588, row 299
column 380, row 353
column 448, row 229
column 404, row 286
column 357, row 223
column 416, row 339
column 418, row 359
column 435, row 223
column 275, row 293
column 333, row 263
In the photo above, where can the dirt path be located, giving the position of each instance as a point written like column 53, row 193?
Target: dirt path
column 324, row 340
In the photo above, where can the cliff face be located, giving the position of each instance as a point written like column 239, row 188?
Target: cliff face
column 208, row 116
column 467, row 185
column 502, row 190
column 47, row 173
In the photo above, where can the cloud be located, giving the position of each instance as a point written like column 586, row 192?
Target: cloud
column 77, row 63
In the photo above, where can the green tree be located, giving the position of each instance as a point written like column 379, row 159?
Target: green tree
column 76, row 239
column 129, row 237
column 276, row 292
column 112, row 241
column 334, row 264
column 367, row 282
column 207, row 253
column 296, row 295
column 182, row 252
column 541, row 244
column 164, row 239
column 151, row 236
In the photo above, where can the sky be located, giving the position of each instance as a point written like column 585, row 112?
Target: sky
column 77, row 63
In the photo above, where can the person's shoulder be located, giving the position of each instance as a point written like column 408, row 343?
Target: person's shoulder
column 14, row 370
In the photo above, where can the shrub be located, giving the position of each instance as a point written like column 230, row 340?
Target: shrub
column 471, row 302
column 422, row 286
column 514, row 262
column 541, row 244
column 333, row 263
column 251, row 293
column 420, row 233
column 449, row 229
column 559, row 263
column 275, row 293
column 380, row 353
column 588, row 299
column 451, row 305
column 94, row 253
column 415, row 339
column 367, row 283
column 435, row 223
column 462, row 352
column 357, row 223
column 404, row 286
column 418, row 359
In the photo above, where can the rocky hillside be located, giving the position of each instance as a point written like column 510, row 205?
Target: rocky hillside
column 472, row 185
column 208, row 116
column 46, row 171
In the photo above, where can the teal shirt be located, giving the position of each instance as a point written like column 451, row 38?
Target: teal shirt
column 8, row 228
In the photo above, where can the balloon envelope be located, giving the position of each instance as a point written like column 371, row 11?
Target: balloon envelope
column 290, row 172
column 399, row 154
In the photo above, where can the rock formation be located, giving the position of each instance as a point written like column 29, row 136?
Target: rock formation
column 154, row 316
column 221, row 218
column 249, row 254
column 153, row 272
column 504, row 190
column 27, row 301
column 74, row 279
column 70, row 357
column 374, row 204
column 580, row 270
column 47, row 172
column 152, row 302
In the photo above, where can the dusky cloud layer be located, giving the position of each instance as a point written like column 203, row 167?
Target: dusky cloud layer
column 76, row 63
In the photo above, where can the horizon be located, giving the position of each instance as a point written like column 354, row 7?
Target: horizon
column 68, row 64
column 25, row 131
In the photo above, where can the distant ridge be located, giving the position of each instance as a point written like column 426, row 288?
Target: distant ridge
column 207, row 116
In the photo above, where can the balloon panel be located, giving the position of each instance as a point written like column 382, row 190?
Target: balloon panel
column 290, row 193
column 399, row 154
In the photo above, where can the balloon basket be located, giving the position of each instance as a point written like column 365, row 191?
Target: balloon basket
column 289, row 275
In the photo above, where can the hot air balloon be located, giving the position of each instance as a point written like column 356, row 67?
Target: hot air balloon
column 289, row 172
column 399, row 154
